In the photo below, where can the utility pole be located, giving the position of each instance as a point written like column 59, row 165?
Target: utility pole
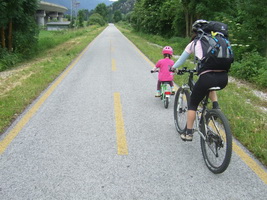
column 75, row 4
column 71, row 10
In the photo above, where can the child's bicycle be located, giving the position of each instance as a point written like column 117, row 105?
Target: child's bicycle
column 165, row 92
column 211, row 124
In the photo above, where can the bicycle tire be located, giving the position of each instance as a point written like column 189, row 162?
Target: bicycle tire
column 166, row 102
column 217, row 149
column 181, row 103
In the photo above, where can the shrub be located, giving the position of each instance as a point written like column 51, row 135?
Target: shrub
column 252, row 68
column 96, row 19
column 262, row 78
column 25, row 44
column 8, row 59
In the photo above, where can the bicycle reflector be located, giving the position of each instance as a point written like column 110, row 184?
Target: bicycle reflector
column 167, row 93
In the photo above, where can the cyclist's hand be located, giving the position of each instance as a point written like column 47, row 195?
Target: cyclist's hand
column 172, row 69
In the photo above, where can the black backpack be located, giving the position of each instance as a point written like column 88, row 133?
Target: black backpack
column 217, row 51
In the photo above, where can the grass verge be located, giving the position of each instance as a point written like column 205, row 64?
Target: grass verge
column 240, row 105
column 21, row 85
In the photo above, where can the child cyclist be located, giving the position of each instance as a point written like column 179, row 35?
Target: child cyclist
column 164, row 66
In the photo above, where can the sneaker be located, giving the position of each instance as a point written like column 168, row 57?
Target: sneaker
column 215, row 105
column 183, row 136
column 157, row 94
column 189, row 137
column 173, row 91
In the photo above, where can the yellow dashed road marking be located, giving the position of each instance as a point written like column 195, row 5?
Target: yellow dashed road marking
column 120, row 132
column 250, row 162
column 113, row 64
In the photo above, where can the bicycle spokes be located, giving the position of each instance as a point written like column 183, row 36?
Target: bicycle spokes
column 217, row 147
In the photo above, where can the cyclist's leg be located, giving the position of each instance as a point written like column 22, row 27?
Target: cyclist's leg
column 199, row 92
column 158, row 89
column 213, row 96
column 205, row 81
column 221, row 81
column 191, row 115
column 158, row 85
column 214, row 99
column 172, row 88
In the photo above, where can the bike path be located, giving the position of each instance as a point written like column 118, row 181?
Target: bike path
column 101, row 134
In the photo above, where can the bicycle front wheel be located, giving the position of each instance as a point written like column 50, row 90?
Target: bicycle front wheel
column 217, row 149
column 181, row 102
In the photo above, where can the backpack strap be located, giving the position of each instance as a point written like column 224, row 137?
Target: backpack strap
column 195, row 43
column 231, row 54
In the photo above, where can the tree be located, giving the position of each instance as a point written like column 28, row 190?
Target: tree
column 96, row 19
column 3, row 23
column 9, row 11
column 169, row 13
column 102, row 10
column 81, row 16
column 117, row 16
column 147, row 15
column 18, row 26
column 250, row 25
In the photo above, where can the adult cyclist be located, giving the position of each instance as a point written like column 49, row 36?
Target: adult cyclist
column 207, row 78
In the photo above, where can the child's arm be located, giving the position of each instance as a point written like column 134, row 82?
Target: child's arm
column 154, row 69
column 157, row 66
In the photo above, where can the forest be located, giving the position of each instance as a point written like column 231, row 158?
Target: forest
column 246, row 20
column 18, row 31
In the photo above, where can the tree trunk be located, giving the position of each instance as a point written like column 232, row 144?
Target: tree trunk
column 186, row 23
column 10, row 35
column 3, row 39
column 191, row 22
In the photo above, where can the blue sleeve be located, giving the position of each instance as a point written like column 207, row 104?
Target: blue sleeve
column 181, row 59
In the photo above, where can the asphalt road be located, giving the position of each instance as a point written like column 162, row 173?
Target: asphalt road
column 99, row 133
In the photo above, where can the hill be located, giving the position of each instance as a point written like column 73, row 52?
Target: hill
column 124, row 6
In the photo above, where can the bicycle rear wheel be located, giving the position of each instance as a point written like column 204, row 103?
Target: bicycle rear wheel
column 181, row 102
column 217, row 149
column 166, row 102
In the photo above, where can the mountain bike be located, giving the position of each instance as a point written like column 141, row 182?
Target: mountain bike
column 211, row 124
column 165, row 92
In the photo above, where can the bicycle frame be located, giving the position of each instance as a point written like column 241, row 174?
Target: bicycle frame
column 165, row 93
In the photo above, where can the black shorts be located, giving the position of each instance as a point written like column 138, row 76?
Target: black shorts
column 206, row 81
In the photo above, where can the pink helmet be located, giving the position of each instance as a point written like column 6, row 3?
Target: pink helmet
column 167, row 50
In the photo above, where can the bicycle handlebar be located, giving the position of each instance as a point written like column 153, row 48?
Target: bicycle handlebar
column 185, row 70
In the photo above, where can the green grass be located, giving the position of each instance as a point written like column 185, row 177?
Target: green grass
column 248, row 122
column 58, row 49
column 50, row 39
column 42, row 70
